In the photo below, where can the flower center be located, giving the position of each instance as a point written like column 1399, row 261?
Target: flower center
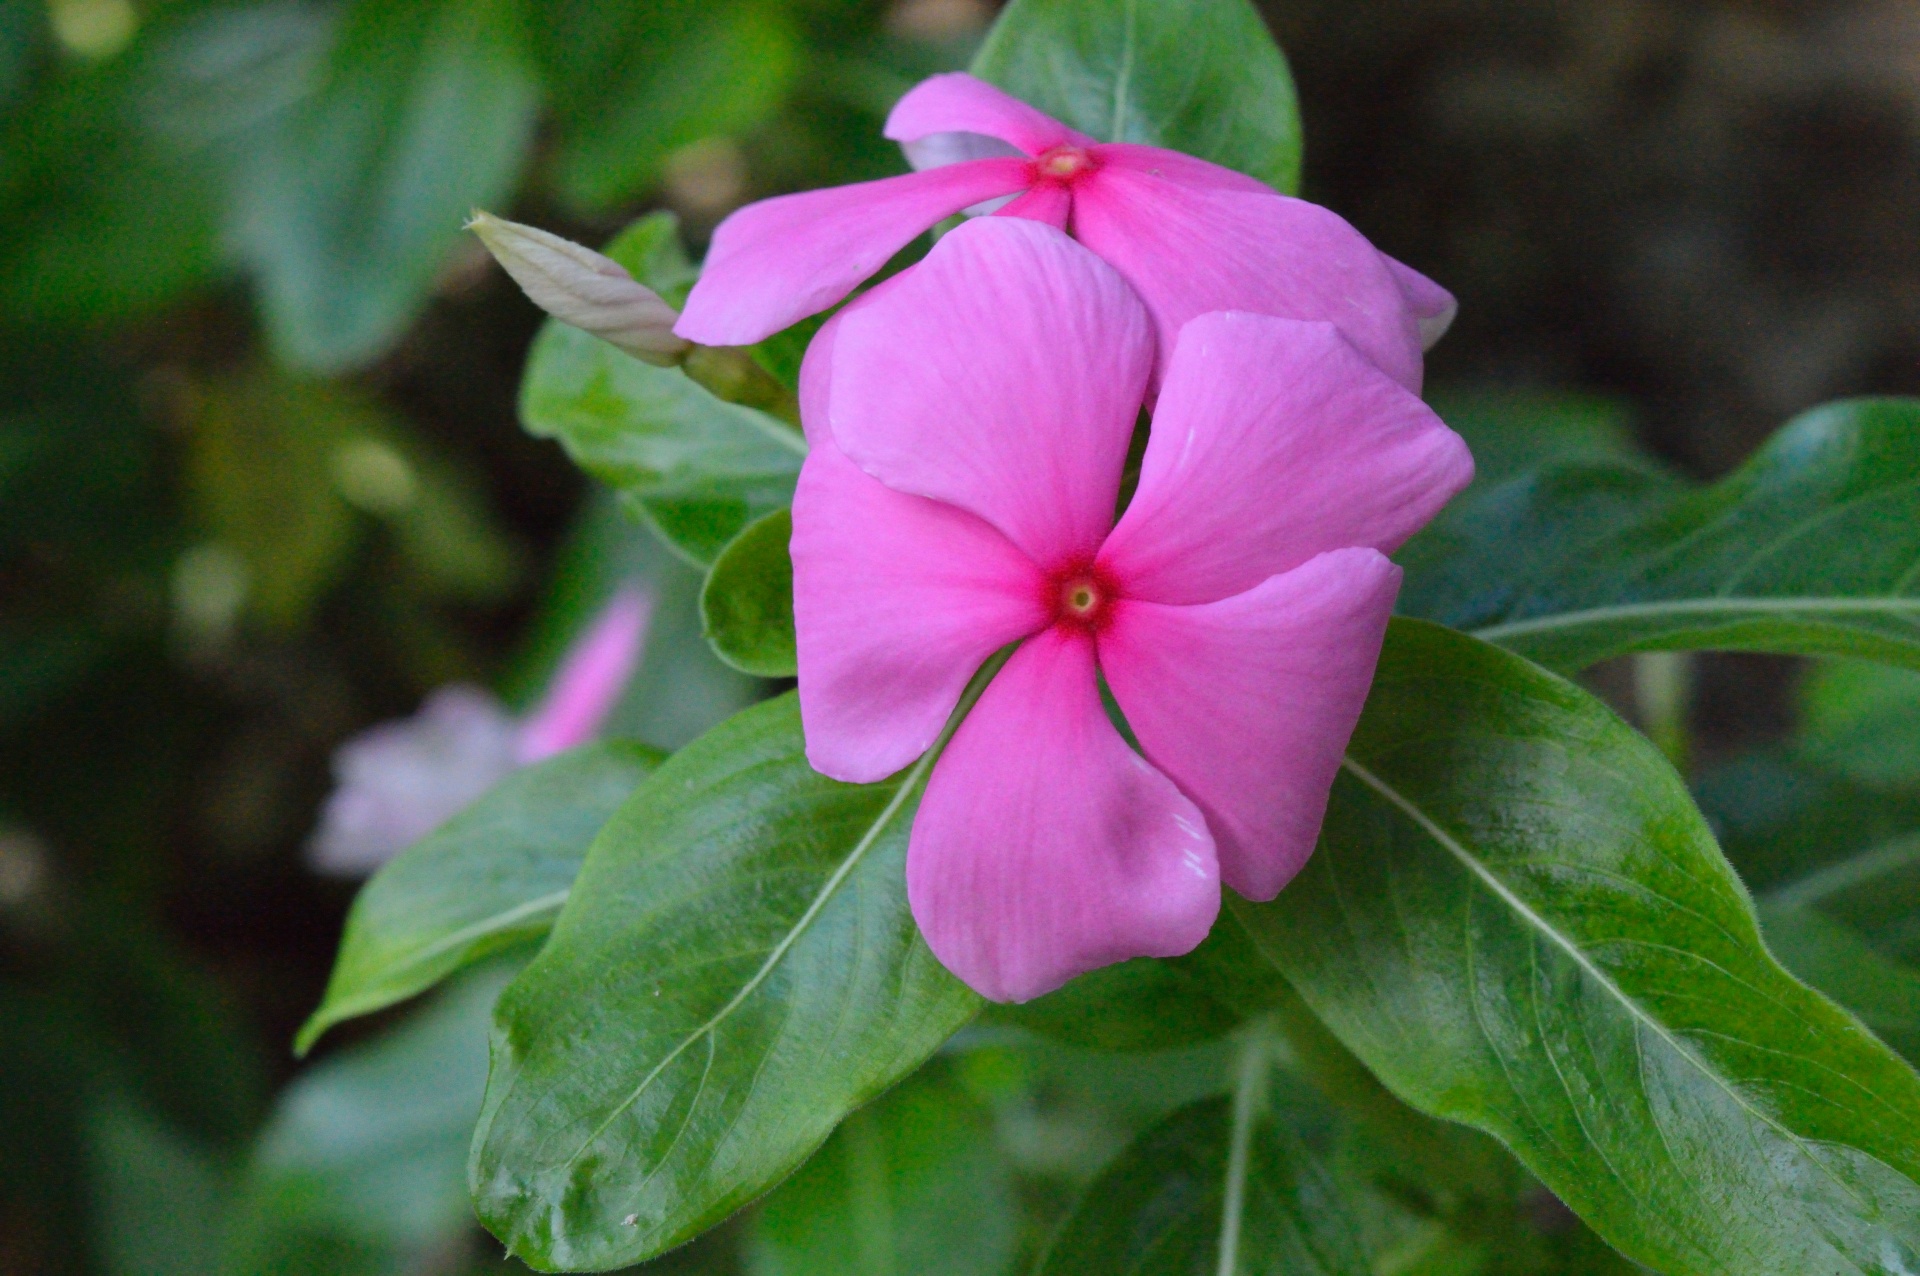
column 1080, row 597
column 1064, row 163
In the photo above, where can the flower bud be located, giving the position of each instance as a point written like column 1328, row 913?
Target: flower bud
column 581, row 287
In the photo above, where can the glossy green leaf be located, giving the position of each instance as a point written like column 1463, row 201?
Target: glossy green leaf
column 1811, row 547
column 493, row 876
column 350, row 208
column 1863, row 721
column 1225, row 1186
column 1200, row 76
column 1837, row 960
column 700, row 469
column 913, row 1183
column 1518, row 920
column 1514, row 430
column 746, row 606
column 735, row 971
column 632, row 83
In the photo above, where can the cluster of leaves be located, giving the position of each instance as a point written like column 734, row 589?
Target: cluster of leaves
column 1517, row 1015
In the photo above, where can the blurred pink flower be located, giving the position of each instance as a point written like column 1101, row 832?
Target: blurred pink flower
column 398, row 781
column 960, row 495
column 1190, row 236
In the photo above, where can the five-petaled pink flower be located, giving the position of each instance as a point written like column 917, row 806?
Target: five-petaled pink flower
column 1190, row 236
column 970, row 423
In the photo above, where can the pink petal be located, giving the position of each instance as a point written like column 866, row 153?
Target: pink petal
column 897, row 600
column 959, row 103
column 1051, row 203
column 1432, row 305
column 1002, row 375
column 1274, row 441
column 590, row 678
column 1189, row 250
column 1044, row 846
column 1248, row 703
column 1185, row 170
column 776, row 262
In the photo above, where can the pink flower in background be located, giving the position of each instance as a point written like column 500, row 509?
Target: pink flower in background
column 970, row 423
column 397, row 782
column 1190, row 236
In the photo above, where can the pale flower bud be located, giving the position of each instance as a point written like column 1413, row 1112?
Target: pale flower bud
column 581, row 287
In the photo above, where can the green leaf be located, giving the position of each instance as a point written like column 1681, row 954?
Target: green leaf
column 1514, row 430
column 424, row 112
column 1837, row 960
column 1518, row 920
column 1200, row 76
column 1811, row 547
column 1227, row 1186
column 746, row 607
column 159, row 1198
column 912, row 1184
column 492, row 876
column 1863, row 721
column 735, row 971
column 359, row 1168
column 633, row 83
column 700, row 469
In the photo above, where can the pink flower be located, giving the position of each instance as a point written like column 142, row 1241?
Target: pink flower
column 1191, row 237
column 970, row 424
column 398, row 781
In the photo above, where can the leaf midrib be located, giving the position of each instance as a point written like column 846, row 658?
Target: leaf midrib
column 1505, row 894
column 1897, row 605
column 908, row 786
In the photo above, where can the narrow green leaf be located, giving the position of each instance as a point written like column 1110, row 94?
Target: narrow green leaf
column 1200, row 76
column 423, row 113
column 913, row 1184
column 1225, row 1186
column 746, row 606
column 1812, row 547
column 1518, row 920
column 700, row 469
column 735, row 971
column 492, row 876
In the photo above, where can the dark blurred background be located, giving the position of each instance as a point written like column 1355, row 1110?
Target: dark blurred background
column 262, row 485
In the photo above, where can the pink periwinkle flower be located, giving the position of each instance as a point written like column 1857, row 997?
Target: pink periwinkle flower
column 1190, row 236
column 398, row 781
column 970, row 423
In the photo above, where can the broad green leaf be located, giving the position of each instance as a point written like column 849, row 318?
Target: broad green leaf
column 735, row 971
column 1518, row 920
column 423, row 112
column 1812, row 547
column 1200, row 76
column 700, row 469
column 1863, row 721
column 493, row 876
column 632, row 83
column 746, row 606
column 911, row 1184
column 359, row 1168
column 1225, row 1186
